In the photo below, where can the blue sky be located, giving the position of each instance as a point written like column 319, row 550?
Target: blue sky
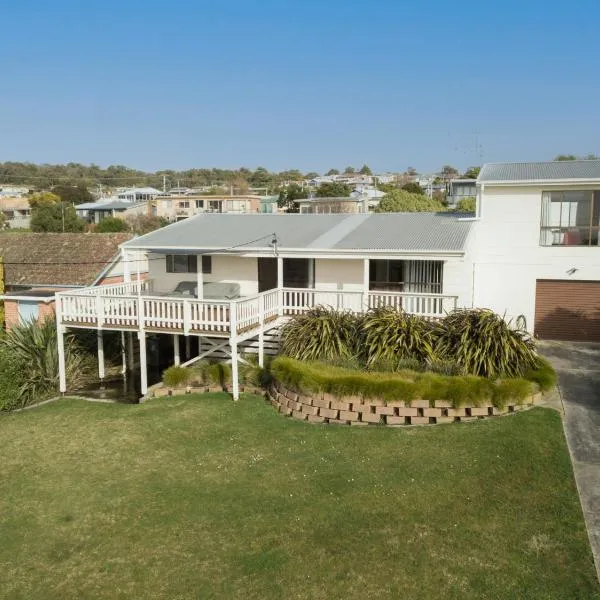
column 309, row 85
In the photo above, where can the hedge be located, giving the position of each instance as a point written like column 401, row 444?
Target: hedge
column 311, row 377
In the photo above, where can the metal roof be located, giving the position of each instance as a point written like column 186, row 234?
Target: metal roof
column 113, row 205
column 396, row 232
column 540, row 171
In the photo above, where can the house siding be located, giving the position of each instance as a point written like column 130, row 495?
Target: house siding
column 509, row 258
column 339, row 274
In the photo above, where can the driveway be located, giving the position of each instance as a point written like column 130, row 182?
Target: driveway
column 578, row 368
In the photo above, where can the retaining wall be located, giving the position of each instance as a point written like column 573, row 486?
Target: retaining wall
column 354, row 410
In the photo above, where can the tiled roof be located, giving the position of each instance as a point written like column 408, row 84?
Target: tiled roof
column 540, row 171
column 397, row 232
column 58, row 258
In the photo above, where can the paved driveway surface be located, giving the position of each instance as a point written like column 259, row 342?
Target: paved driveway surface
column 578, row 367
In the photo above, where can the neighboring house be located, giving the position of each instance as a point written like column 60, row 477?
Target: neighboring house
column 326, row 206
column 537, row 248
column 175, row 208
column 94, row 212
column 14, row 191
column 227, row 280
column 458, row 189
column 17, row 212
column 37, row 265
column 142, row 194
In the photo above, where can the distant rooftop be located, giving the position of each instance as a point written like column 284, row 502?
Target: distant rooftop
column 540, row 171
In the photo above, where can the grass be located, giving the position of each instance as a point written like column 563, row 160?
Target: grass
column 198, row 497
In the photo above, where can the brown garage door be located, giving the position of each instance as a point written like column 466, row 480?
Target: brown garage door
column 567, row 310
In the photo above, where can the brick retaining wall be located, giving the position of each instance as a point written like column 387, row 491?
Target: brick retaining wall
column 354, row 410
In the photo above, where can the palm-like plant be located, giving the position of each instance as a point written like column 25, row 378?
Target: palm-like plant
column 322, row 334
column 34, row 345
column 392, row 336
column 483, row 343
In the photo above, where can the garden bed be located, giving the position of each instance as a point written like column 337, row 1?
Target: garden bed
column 321, row 393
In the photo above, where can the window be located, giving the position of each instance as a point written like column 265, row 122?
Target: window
column 199, row 203
column 206, row 264
column 182, row 263
column 570, row 218
column 185, row 204
column 214, row 205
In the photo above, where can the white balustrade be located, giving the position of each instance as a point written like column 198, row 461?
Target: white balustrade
column 111, row 307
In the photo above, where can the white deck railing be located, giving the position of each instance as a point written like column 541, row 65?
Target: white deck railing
column 129, row 306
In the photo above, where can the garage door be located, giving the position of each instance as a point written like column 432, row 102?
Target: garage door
column 567, row 310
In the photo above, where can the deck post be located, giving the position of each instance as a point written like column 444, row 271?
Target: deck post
column 261, row 330
column 176, row 355
column 143, row 367
column 233, row 333
column 123, row 354
column 188, row 348
column 234, row 370
column 279, row 285
column 62, row 377
column 100, row 340
column 126, row 269
column 200, row 279
column 366, row 271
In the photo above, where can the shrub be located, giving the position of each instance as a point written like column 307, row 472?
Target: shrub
column 176, row 376
column 506, row 390
column 111, row 225
column 34, row 346
column 219, row 373
column 544, row 375
column 395, row 336
column 483, row 343
column 322, row 334
column 13, row 377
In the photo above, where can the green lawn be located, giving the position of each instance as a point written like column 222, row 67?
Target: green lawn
column 197, row 497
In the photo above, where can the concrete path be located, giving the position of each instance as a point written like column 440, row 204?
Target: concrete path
column 578, row 368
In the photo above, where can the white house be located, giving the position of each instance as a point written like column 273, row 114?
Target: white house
column 536, row 246
column 532, row 249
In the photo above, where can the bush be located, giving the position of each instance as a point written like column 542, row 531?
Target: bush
column 544, row 375
column 315, row 377
column 394, row 336
column 12, row 379
column 176, row 376
column 483, row 343
column 34, row 346
column 111, row 225
column 322, row 334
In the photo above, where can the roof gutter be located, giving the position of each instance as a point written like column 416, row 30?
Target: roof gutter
column 538, row 182
column 44, row 299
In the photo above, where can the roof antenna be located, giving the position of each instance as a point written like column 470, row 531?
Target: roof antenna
column 274, row 244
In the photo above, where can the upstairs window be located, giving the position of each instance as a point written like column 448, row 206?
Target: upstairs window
column 570, row 218
column 199, row 203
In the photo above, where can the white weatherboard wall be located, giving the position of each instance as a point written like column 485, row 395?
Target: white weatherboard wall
column 508, row 256
column 339, row 274
column 225, row 268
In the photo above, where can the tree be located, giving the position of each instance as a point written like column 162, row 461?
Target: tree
column 111, row 225
column 349, row 170
column 141, row 224
column 403, row 201
column 413, row 187
column 562, row 157
column 333, row 190
column 49, row 214
column 311, row 175
column 288, row 197
column 73, row 194
column 448, row 172
column 365, row 170
column 472, row 172
column 332, row 172
column 411, row 171
column 466, row 205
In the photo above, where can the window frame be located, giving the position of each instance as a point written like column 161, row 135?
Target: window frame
column 191, row 264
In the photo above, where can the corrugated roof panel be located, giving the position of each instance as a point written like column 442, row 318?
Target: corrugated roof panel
column 411, row 232
column 541, row 171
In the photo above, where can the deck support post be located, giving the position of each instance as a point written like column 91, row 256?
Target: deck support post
column 143, row 367
column 100, row 340
column 234, row 370
column 123, row 354
column 261, row 330
column 366, row 277
column 126, row 267
column 62, row 376
column 176, row 355
column 188, row 348
column 279, row 286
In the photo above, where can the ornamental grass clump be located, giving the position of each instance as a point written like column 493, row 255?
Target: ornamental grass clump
column 483, row 343
column 322, row 334
column 176, row 376
column 394, row 336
